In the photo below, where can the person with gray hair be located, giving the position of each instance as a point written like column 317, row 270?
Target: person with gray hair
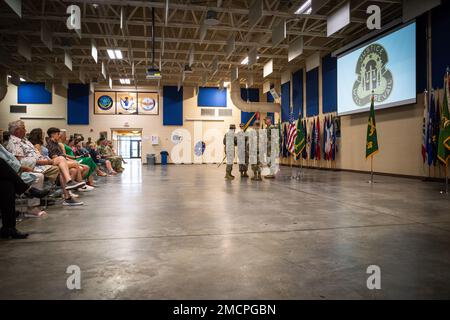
column 27, row 154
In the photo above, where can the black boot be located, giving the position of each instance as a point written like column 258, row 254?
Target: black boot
column 12, row 233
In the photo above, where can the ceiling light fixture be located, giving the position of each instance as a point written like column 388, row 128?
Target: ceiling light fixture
column 124, row 81
column 245, row 60
column 305, row 8
column 22, row 79
column 118, row 54
column 114, row 54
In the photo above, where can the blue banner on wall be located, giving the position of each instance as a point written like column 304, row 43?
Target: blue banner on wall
column 78, row 104
column 312, row 92
column 285, row 101
column 329, row 84
column 33, row 93
column 172, row 106
column 297, row 93
column 212, row 97
column 251, row 95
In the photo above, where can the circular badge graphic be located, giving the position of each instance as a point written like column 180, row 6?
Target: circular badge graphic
column 373, row 76
column 199, row 148
column 176, row 137
column 105, row 102
column 127, row 104
column 148, row 104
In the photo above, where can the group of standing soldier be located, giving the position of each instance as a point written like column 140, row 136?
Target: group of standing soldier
column 243, row 165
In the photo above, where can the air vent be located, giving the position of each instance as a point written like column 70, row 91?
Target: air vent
column 208, row 112
column 225, row 112
column 17, row 109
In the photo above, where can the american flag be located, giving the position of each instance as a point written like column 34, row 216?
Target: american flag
column 292, row 134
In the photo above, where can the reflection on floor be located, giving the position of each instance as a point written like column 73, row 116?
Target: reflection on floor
column 183, row 232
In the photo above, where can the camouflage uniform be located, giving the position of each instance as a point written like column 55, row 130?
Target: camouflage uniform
column 256, row 168
column 229, row 167
column 243, row 168
column 270, row 126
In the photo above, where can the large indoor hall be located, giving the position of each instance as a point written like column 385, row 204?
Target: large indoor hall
column 196, row 152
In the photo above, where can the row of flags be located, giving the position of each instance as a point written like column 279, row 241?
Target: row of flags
column 305, row 139
column 436, row 128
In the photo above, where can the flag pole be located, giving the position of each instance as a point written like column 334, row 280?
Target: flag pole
column 301, row 167
column 447, row 72
column 446, row 179
column 371, row 169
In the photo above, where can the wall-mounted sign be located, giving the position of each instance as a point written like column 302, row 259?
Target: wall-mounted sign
column 148, row 103
column 126, row 102
column 104, row 102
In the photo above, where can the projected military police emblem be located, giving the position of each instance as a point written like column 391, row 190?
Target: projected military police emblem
column 373, row 74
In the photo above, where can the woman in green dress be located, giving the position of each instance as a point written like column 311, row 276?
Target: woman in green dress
column 87, row 163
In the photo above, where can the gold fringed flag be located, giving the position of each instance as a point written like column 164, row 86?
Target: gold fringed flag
column 444, row 132
column 300, row 141
column 372, row 140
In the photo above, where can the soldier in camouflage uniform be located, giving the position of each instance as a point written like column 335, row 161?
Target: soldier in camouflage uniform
column 269, row 127
column 256, row 168
column 243, row 168
column 229, row 167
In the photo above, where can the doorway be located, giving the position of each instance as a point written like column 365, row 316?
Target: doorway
column 128, row 143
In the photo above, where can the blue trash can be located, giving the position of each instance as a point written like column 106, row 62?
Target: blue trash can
column 164, row 155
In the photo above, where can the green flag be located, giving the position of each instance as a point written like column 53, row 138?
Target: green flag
column 372, row 141
column 444, row 132
column 300, row 140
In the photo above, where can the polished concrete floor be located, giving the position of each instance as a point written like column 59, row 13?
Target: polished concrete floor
column 182, row 232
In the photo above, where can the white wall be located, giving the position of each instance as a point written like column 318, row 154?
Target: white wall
column 149, row 124
column 399, row 131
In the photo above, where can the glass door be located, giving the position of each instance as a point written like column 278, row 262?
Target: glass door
column 124, row 147
column 135, row 149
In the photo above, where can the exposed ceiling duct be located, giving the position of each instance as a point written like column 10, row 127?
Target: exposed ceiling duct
column 242, row 105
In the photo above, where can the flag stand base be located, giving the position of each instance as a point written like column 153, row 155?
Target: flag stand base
column 371, row 171
column 446, row 183
column 299, row 173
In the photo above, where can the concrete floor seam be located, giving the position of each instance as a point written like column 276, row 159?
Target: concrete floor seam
column 212, row 234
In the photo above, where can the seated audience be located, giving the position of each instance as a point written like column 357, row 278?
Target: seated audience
column 106, row 152
column 88, row 167
column 25, row 152
column 92, row 148
column 82, row 151
column 54, row 151
column 10, row 185
column 66, row 174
